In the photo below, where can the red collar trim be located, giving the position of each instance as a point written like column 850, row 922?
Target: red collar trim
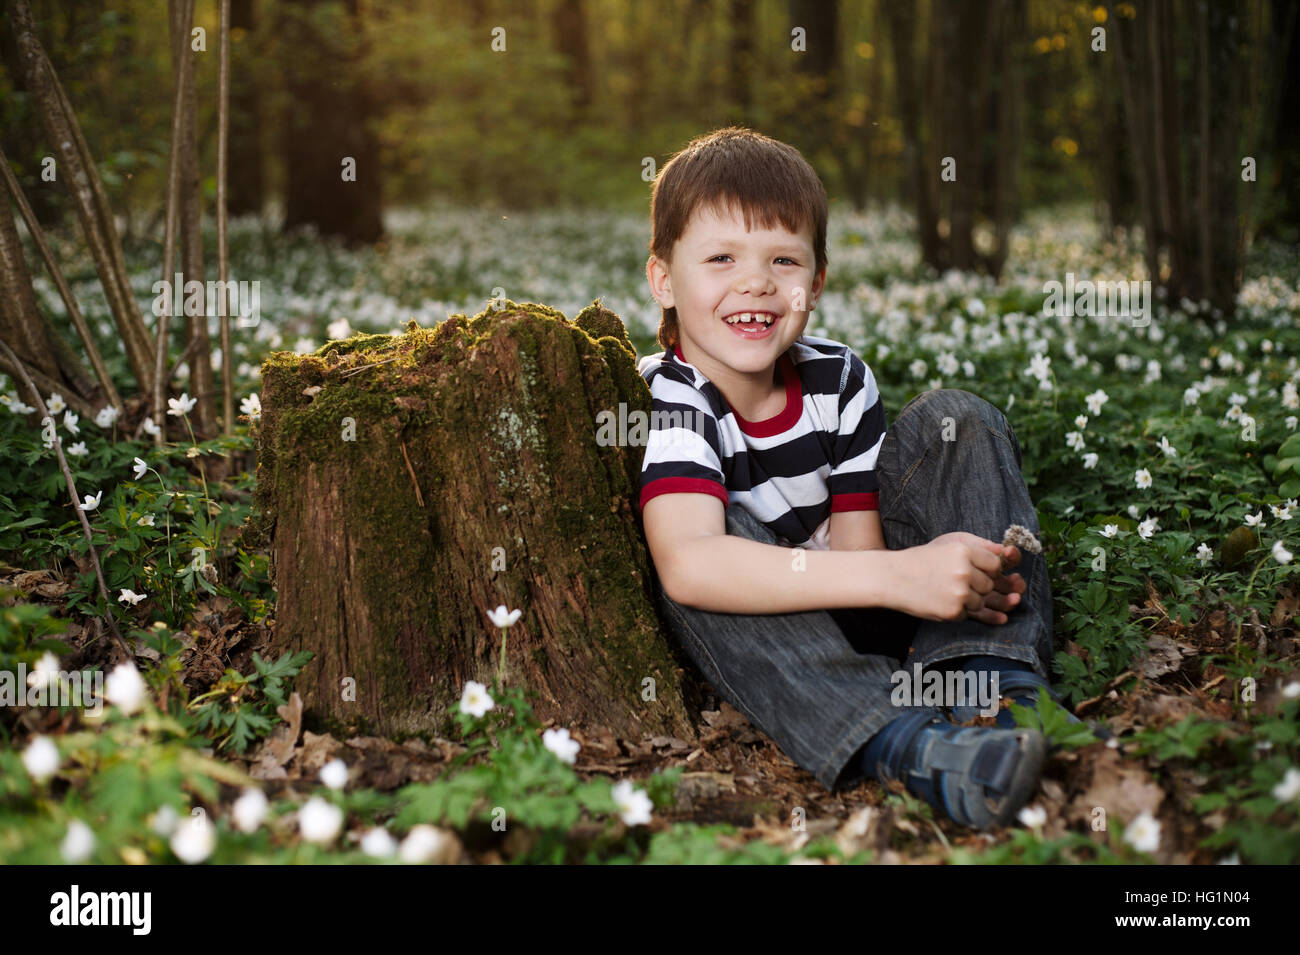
column 783, row 420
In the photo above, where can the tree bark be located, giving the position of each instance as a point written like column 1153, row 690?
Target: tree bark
column 329, row 122
column 246, row 182
column 473, row 478
column 77, row 173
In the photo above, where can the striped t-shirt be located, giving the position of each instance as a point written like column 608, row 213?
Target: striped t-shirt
column 791, row 471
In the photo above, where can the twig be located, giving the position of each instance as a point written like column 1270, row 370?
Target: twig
column 410, row 470
column 76, row 500
column 353, row 371
column 1078, row 710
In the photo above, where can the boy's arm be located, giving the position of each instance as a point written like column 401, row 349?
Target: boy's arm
column 856, row 530
column 700, row 565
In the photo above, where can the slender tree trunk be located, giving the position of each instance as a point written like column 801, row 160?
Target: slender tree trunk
column 901, row 18
column 80, row 178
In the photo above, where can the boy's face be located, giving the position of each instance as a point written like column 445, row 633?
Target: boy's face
column 719, row 270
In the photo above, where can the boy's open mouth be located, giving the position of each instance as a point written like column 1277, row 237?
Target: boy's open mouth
column 752, row 325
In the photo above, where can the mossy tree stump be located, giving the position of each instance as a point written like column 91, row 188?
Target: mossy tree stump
column 406, row 485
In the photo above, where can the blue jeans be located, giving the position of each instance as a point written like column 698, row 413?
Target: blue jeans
column 818, row 682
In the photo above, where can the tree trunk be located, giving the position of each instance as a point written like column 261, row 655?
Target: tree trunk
column 202, row 386
column 78, row 175
column 328, row 124
column 407, row 485
column 246, row 183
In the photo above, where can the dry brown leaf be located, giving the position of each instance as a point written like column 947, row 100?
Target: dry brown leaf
column 1120, row 787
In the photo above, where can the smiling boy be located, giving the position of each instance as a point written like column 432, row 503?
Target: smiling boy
column 802, row 549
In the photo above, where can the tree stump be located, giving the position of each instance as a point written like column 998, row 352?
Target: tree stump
column 408, row 484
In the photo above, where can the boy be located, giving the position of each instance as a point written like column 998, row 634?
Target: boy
column 891, row 531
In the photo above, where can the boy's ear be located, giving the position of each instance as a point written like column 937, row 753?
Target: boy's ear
column 657, row 276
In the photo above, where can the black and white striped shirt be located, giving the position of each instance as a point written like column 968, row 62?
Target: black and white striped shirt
column 791, row 471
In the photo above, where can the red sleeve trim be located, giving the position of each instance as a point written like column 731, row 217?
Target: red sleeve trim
column 869, row 501
column 682, row 485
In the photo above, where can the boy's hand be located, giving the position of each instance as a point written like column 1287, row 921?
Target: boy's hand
column 958, row 575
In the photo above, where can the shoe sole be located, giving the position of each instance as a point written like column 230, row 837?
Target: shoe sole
column 1024, row 783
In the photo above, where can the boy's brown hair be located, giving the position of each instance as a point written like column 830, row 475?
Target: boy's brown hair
column 769, row 180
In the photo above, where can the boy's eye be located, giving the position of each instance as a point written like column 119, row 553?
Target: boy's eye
column 724, row 255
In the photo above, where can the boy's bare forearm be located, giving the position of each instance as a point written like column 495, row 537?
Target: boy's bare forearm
column 723, row 573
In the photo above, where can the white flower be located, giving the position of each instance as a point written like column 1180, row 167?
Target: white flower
column 130, row 596
column 90, row 503
column 1169, row 450
column 422, row 844
column 1233, row 859
column 140, row 468
column 150, row 428
column 251, row 406
column 46, row 672
column 1282, row 513
column 1039, row 366
column 633, row 804
column 1034, row 817
column 1090, row 460
column 377, row 843
column 194, row 839
column 1233, row 413
column 559, row 743
column 55, row 403
column 1280, row 553
column 1143, row 478
column 249, row 809
column 968, row 368
column 1236, row 399
column 1291, row 690
column 935, row 384
column 1074, row 441
column 16, row 406
column 1191, row 396
column 79, row 450
column 475, row 700
column 334, row 774
column 182, row 405
column 1289, row 787
column 146, row 521
column 1291, row 422
column 41, row 758
column 338, row 330
column 107, row 415
column 1133, row 511
column 1143, row 833
column 1255, row 520
column 975, row 308
column 1081, row 421
column 1096, row 400
column 319, row 821
column 70, row 422
column 164, row 820
column 918, row 368
column 125, row 688
column 502, row 617
column 947, row 363
column 78, row 843
column 1110, row 530
column 1203, row 554
column 1148, row 528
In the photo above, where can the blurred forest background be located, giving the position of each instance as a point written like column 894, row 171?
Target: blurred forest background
column 874, row 94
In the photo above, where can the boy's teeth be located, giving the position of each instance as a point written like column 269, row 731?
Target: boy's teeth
column 750, row 317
